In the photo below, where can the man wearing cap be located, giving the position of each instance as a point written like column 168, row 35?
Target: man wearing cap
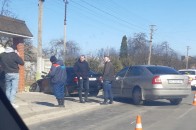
column 108, row 75
column 58, row 77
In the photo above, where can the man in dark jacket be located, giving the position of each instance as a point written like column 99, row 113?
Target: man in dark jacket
column 9, row 61
column 108, row 76
column 58, row 77
column 82, row 69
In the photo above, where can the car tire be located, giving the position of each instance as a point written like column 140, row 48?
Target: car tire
column 34, row 88
column 137, row 96
column 175, row 101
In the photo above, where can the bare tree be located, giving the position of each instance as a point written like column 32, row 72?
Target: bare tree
column 29, row 51
column 56, row 48
column 138, row 49
column 5, row 8
column 164, row 55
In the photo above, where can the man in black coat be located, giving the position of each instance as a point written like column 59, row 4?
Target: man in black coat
column 108, row 76
column 82, row 69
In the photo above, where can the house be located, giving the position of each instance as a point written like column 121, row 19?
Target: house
column 18, row 31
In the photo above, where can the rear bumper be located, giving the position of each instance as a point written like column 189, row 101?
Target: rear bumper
column 193, row 83
column 158, row 93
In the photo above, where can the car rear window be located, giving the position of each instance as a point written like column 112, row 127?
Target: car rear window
column 162, row 70
column 187, row 72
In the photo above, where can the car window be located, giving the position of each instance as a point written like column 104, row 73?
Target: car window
column 135, row 71
column 91, row 72
column 187, row 72
column 162, row 70
column 122, row 72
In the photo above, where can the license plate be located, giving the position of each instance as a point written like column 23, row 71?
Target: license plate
column 175, row 81
column 92, row 79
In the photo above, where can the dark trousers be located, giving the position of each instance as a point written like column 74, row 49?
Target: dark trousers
column 83, row 85
column 59, row 90
column 107, row 88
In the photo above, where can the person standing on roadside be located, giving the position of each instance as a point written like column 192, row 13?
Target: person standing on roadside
column 108, row 76
column 10, row 61
column 58, row 75
column 82, row 69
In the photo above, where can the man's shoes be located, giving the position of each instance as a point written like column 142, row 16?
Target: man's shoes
column 61, row 106
column 86, row 100
column 111, row 102
column 82, row 101
column 104, row 103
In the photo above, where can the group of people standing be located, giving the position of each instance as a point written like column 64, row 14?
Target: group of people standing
column 81, row 68
column 10, row 60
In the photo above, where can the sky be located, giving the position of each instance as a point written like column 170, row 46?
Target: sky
column 96, row 24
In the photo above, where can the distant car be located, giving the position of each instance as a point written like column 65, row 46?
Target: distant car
column 151, row 82
column 71, row 88
column 191, row 73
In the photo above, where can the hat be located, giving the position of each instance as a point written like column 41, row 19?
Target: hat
column 53, row 59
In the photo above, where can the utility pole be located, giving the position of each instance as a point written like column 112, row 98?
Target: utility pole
column 187, row 57
column 65, row 18
column 150, row 47
column 39, row 47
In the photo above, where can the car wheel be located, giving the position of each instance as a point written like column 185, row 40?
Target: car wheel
column 137, row 96
column 34, row 88
column 175, row 101
column 94, row 93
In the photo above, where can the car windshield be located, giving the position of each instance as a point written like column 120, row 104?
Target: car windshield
column 187, row 72
column 161, row 70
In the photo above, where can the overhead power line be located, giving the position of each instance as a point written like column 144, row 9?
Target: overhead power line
column 112, row 15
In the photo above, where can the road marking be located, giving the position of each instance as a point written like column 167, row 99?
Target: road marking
column 133, row 122
column 186, row 113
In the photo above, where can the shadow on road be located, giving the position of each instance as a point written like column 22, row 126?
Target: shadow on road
column 146, row 103
column 45, row 104
column 77, row 100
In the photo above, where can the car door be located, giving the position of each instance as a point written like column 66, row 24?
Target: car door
column 118, row 81
column 132, row 78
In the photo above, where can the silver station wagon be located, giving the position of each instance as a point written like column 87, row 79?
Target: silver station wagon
column 151, row 82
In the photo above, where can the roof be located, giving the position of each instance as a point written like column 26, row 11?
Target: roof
column 12, row 27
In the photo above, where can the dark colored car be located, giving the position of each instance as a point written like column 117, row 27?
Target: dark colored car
column 72, row 82
column 71, row 88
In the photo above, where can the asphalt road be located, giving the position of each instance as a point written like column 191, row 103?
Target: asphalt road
column 156, row 115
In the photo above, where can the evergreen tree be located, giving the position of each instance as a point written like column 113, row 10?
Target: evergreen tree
column 124, row 51
column 124, row 48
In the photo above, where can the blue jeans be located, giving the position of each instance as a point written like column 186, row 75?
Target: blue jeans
column 107, row 88
column 83, row 85
column 11, row 85
column 59, row 90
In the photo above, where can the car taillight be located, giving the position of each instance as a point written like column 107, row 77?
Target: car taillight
column 156, row 80
column 189, row 80
column 75, row 79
